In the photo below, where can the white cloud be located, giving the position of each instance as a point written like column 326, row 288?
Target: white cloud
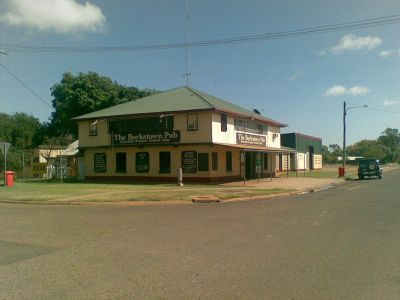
column 351, row 42
column 61, row 16
column 295, row 76
column 339, row 90
column 336, row 90
column 357, row 90
column 391, row 102
column 385, row 53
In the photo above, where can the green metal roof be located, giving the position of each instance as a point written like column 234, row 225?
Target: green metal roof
column 178, row 99
column 301, row 142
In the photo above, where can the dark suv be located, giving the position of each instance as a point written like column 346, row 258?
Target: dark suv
column 369, row 167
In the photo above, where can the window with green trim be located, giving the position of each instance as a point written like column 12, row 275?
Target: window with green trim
column 228, row 161
column 202, row 161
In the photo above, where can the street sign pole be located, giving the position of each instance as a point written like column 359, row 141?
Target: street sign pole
column 5, row 164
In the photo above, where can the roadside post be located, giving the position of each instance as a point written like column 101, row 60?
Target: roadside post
column 180, row 177
column 258, row 165
column 4, row 149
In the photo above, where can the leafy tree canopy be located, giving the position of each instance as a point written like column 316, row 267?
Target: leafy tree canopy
column 19, row 129
column 370, row 148
column 391, row 139
column 85, row 93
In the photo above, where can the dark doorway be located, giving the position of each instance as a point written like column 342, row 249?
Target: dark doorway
column 249, row 165
column 311, row 158
column 293, row 161
column 254, row 164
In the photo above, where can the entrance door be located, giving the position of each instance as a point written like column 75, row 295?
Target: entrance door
column 249, row 165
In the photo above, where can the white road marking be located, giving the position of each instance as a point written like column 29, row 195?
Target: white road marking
column 354, row 187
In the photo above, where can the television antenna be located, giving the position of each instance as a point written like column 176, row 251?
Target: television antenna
column 187, row 46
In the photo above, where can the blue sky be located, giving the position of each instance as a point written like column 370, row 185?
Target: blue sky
column 301, row 81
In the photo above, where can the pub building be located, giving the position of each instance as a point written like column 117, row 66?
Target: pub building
column 152, row 137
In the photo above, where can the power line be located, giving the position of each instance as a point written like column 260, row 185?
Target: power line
column 364, row 23
column 24, row 85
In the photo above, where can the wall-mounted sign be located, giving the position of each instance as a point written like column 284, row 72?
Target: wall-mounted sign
column 250, row 139
column 163, row 137
column 142, row 162
column 39, row 169
column 189, row 161
column 100, row 162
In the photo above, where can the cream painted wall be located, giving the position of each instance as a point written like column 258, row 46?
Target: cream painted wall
column 154, row 160
column 218, row 136
column 42, row 154
column 317, row 161
column 209, row 130
column 301, row 161
column 103, row 138
column 304, row 158
column 202, row 135
column 229, row 137
column 274, row 140
column 285, row 162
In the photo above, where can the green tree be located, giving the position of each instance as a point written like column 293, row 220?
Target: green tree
column 85, row 93
column 331, row 153
column 391, row 138
column 6, row 126
column 22, row 132
column 370, row 148
column 19, row 129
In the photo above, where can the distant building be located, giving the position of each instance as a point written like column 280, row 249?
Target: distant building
column 68, row 161
column 150, row 138
column 350, row 158
column 43, row 157
column 308, row 148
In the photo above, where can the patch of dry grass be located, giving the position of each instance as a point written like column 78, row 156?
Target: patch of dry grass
column 41, row 192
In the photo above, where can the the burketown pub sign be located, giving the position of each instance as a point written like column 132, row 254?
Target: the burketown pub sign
column 163, row 137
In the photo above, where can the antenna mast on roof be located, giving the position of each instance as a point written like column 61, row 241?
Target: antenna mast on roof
column 187, row 67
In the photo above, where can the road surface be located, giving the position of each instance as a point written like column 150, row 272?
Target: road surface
column 340, row 243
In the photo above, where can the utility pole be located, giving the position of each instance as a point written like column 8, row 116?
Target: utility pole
column 344, row 134
column 187, row 67
column 345, row 110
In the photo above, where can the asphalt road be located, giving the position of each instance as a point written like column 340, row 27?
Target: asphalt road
column 340, row 243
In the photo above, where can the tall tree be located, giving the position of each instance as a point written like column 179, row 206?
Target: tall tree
column 370, row 148
column 85, row 93
column 391, row 138
column 330, row 154
column 22, row 132
column 19, row 129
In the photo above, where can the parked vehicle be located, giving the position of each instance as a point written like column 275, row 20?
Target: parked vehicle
column 369, row 167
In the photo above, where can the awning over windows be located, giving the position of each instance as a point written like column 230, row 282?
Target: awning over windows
column 258, row 148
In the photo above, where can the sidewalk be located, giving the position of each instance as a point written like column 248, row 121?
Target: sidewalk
column 299, row 183
column 296, row 183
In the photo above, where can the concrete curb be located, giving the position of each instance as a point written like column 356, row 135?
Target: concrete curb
column 194, row 199
column 205, row 199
